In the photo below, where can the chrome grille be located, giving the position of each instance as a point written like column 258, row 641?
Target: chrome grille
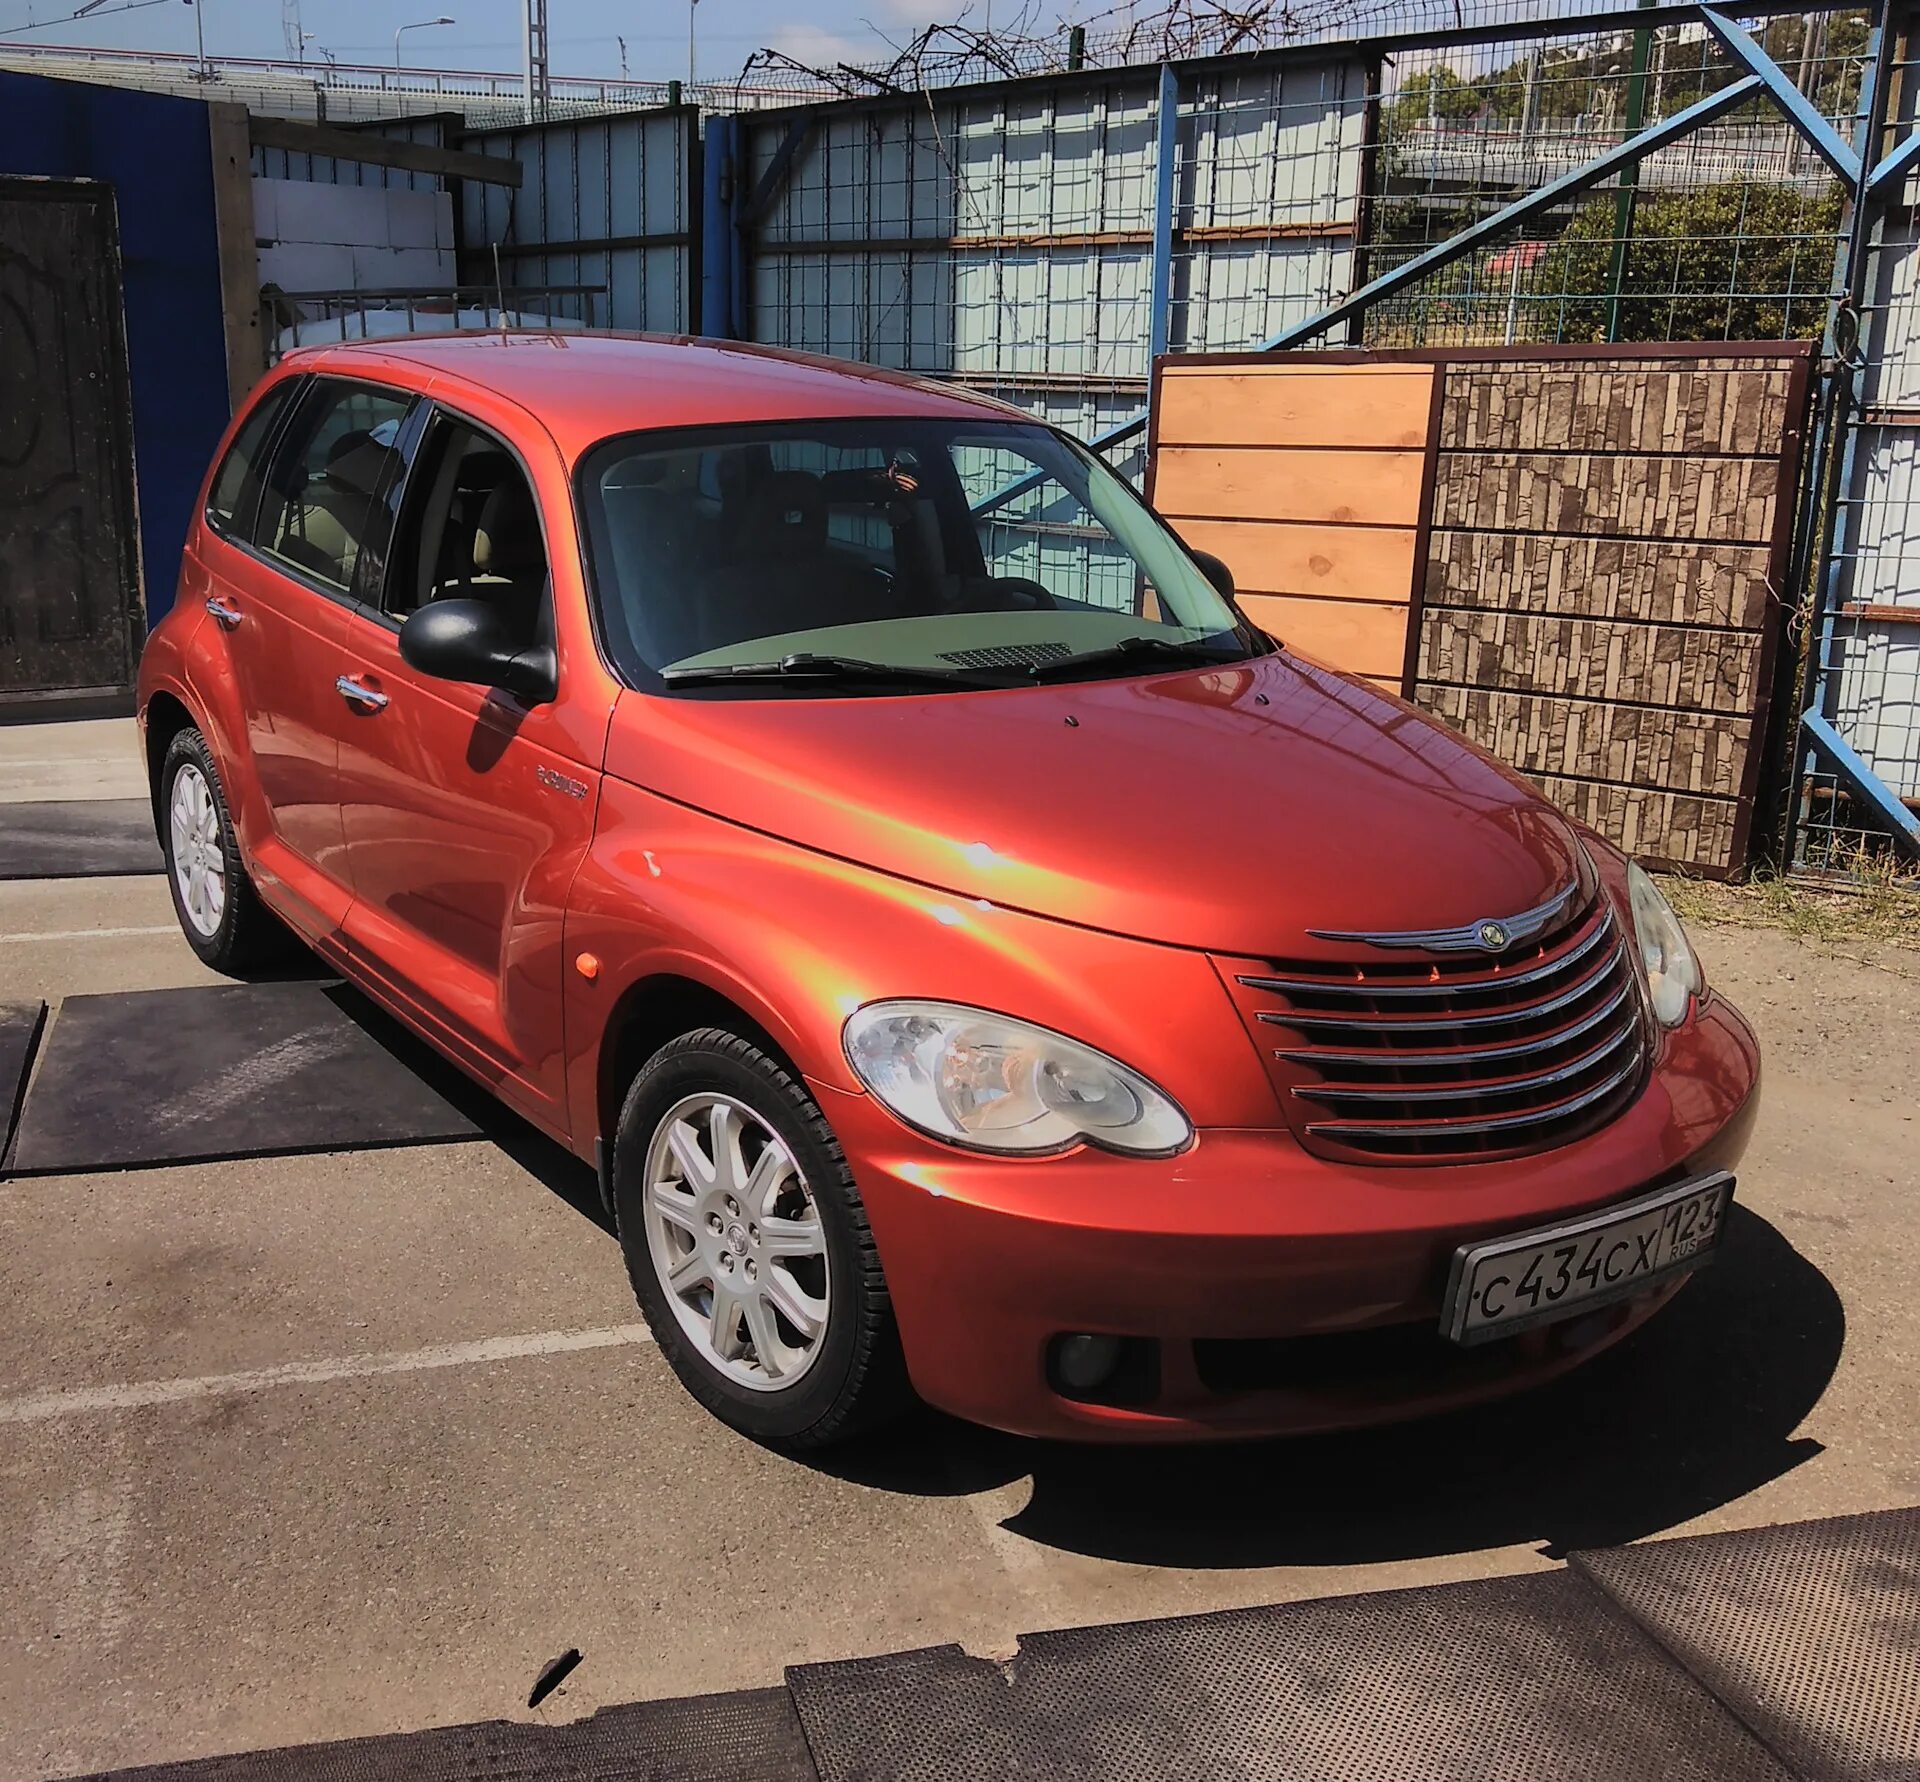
column 1445, row 1057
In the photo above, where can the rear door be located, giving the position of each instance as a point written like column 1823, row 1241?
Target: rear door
column 280, row 572
column 466, row 813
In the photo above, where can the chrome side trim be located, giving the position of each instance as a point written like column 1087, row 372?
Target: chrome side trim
column 1376, row 1130
column 1467, row 937
column 1445, row 987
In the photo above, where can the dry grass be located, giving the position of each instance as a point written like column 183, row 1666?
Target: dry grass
column 1877, row 906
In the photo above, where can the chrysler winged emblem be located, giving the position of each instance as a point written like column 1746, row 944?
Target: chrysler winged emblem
column 1492, row 936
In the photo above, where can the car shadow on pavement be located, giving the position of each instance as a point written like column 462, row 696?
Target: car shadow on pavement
column 1696, row 1409
column 551, row 1164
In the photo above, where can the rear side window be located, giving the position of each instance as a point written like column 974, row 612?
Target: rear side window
column 236, row 487
column 320, row 506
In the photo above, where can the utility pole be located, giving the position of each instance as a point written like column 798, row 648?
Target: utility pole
column 200, row 40
column 1627, row 197
column 533, row 59
column 692, row 71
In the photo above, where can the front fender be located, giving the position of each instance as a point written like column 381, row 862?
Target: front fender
column 799, row 940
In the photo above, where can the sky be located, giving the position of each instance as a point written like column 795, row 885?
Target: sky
column 583, row 33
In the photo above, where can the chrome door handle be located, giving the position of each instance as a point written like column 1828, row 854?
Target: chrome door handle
column 349, row 688
column 229, row 616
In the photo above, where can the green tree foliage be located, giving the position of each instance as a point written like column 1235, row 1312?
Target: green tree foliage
column 1559, row 82
column 1439, row 93
column 1735, row 261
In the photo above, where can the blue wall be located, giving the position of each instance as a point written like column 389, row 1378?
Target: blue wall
column 154, row 150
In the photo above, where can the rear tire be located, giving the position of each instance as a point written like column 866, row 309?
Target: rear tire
column 748, row 1246
column 219, row 911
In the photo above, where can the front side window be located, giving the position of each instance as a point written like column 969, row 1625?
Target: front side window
column 471, row 532
column 972, row 551
column 321, row 500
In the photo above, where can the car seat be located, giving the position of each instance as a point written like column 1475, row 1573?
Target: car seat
column 510, row 557
column 786, row 576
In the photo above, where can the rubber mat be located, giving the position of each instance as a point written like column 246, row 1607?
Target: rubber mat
column 1809, row 1633
column 1517, row 1678
column 19, row 1032
column 751, row 1736
column 239, row 1070
column 85, row 839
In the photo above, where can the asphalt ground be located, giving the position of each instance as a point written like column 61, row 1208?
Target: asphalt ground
column 314, row 1447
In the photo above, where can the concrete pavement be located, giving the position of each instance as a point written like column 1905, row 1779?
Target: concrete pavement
column 320, row 1446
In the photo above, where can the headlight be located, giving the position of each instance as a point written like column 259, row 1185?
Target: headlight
column 977, row 1079
column 1673, row 974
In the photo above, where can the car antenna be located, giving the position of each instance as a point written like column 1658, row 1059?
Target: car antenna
column 499, row 291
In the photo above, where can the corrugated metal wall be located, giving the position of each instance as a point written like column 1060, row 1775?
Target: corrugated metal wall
column 1874, row 651
column 607, row 202
column 1004, row 237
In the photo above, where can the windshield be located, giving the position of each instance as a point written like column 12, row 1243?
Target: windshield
column 824, row 554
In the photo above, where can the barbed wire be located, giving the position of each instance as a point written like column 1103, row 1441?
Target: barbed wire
column 958, row 52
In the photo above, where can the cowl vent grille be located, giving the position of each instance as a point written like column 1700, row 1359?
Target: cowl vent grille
column 1434, row 1056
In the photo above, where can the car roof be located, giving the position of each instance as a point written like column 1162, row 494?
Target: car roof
column 583, row 387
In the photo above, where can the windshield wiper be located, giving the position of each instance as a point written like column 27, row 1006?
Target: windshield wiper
column 1173, row 651
column 808, row 667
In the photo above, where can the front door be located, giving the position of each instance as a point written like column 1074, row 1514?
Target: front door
column 465, row 820
column 69, row 589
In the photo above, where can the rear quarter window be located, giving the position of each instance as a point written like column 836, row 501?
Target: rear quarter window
column 236, row 485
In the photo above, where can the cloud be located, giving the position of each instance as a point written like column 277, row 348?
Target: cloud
column 820, row 48
column 913, row 12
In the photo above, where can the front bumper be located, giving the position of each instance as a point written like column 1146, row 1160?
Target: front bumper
column 1285, row 1293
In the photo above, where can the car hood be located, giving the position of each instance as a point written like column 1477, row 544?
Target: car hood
column 1233, row 809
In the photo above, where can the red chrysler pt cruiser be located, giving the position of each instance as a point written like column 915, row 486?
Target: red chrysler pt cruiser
column 980, row 963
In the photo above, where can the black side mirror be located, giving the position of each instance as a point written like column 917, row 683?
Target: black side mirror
column 468, row 640
column 1214, row 570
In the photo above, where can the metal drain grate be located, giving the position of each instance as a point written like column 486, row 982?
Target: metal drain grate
column 1810, row 1633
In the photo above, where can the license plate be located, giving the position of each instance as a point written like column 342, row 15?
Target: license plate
column 1504, row 1284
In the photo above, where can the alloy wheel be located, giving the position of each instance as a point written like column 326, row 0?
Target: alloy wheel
column 736, row 1241
column 199, row 860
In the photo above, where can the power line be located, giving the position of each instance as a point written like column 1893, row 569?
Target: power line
column 90, row 14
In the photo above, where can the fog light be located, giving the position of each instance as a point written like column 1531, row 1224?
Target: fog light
column 1083, row 1363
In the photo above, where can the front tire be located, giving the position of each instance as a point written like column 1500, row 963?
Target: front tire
column 220, row 914
column 748, row 1246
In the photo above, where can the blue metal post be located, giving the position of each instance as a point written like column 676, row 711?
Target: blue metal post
column 1161, row 289
column 1871, row 186
column 1840, row 756
column 720, row 179
column 1800, row 111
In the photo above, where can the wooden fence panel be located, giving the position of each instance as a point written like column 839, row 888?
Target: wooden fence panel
column 1599, row 607
column 1311, row 484
column 1573, row 556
